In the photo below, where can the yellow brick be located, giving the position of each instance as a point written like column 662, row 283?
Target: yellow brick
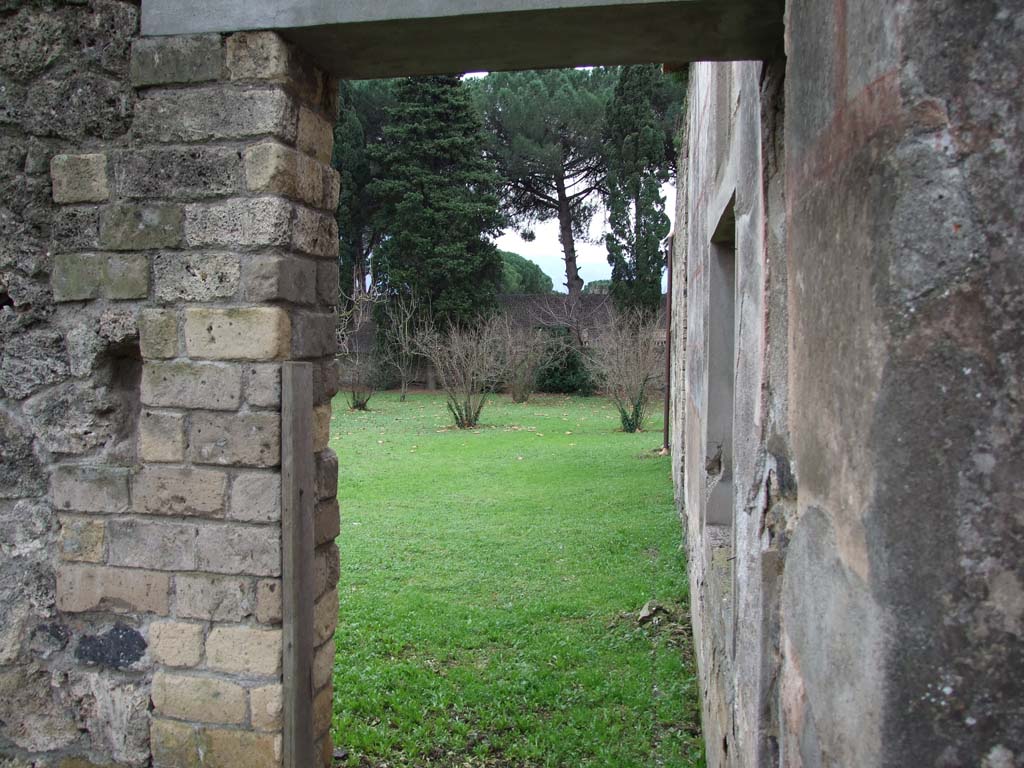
column 244, row 650
column 202, row 699
column 175, row 643
column 265, row 706
column 242, row 333
column 240, row 749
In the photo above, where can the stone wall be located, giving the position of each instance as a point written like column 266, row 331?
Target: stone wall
column 861, row 602
column 167, row 242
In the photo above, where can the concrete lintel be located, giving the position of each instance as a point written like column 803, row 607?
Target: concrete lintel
column 387, row 38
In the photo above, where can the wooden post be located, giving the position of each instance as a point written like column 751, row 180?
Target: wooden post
column 668, row 347
column 298, row 498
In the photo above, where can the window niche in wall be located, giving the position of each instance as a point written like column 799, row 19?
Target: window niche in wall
column 721, row 369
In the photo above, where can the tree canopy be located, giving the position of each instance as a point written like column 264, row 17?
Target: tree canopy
column 438, row 196
column 598, row 286
column 640, row 155
column 520, row 275
column 360, row 125
column 545, row 133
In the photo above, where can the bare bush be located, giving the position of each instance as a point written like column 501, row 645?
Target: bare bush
column 626, row 358
column 572, row 315
column 400, row 321
column 471, row 362
column 526, row 350
column 358, row 364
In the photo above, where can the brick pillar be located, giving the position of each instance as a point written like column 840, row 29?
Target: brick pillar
column 221, row 211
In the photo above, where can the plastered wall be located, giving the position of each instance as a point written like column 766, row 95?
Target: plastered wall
column 862, row 605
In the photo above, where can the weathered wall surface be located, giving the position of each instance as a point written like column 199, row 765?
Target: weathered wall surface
column 166, row 240
column 905, row 381
column 864, row 606
column 734, row 193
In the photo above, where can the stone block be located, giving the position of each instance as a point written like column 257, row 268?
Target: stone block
column 325, row 381
column 237, row 549
column 274, row 278
column 82, row 276
column 195, row 277
column 32, row 40
column 239, row 223
column 323, row 665
column 326, row 568
column 314, row 334
column 82, row 539
column 187, row 384
column 79, row 178
column 157, row 545
column 128, row 227
column 255, row 497
column 176, row 173
column 258, row 56
column 315, row 135
column 315, row 233
column 325, row 617
column 180, row 59
column 268, row 601
column 274, row 169
column 327, row 475
column 72, row 103
column 247, row 651
column 179, row 491
column 332, row 187
column 30, row 361
column 76, row 229
column 265, row 704
column 328, row 283
column 125, row 277
column 174, row 744
column 327, row 523
column 322, row 710
column 201, row 699
column 245, row 333
column 82, row 588
column 176, row 643
column 161, row 436
column 90, row 489
column 215, row 112
column 321, row 427
column 223, row 748
column 242, row 439
column 158, row 333
column 213, row 598
column 262, row 385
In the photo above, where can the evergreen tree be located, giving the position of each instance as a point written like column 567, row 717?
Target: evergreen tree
column 545, row 134
column 439, row 201
column 520, row 275
column 640, row 155
column 360, row 124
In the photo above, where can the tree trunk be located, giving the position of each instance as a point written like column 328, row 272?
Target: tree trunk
column 573, row 281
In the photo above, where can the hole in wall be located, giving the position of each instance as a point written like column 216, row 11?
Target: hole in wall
column 120, row 372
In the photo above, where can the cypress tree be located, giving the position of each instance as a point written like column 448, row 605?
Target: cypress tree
column 438, row 201
column 640, row 160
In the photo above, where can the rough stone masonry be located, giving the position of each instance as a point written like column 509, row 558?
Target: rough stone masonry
column 167, row 242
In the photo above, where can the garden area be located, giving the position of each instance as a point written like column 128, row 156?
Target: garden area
column 512, row 594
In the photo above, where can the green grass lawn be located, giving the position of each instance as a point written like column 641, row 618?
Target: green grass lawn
column 490, row 584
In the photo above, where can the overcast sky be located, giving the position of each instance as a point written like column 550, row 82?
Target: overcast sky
column 591, row 257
